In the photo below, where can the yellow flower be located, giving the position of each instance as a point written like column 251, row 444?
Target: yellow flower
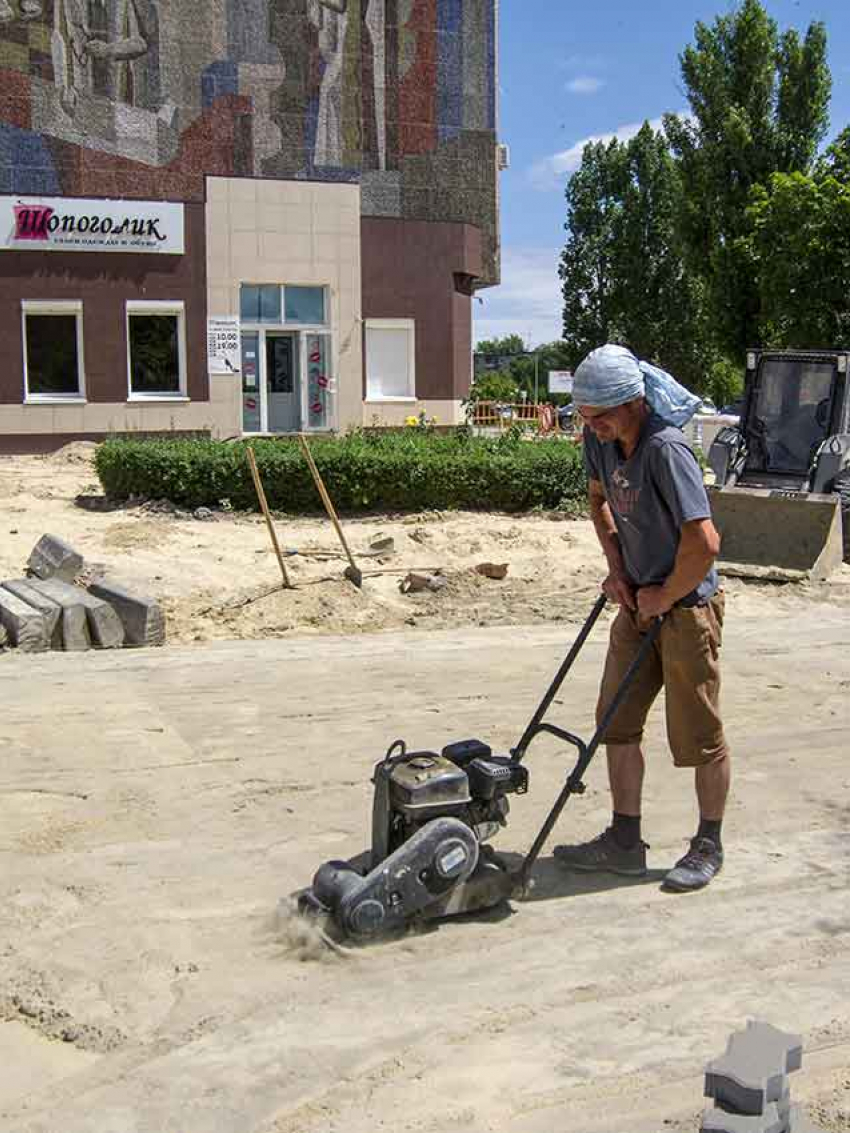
column 412, row 421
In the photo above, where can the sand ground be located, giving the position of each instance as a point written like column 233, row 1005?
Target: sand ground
column 156, row 806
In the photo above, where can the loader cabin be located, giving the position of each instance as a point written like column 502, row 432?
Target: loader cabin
column 780, row 499
column 793, row 403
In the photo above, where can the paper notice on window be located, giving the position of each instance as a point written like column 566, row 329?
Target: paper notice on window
column 223, row 345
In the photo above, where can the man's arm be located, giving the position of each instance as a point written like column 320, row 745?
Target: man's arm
column 616, row 586
column 699, row 545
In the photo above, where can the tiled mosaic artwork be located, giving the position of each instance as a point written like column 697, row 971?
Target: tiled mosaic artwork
column 144, row 97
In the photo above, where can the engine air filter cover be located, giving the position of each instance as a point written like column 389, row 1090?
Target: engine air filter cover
column 427, row 780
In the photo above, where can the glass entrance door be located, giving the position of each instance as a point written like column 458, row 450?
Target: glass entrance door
column 252, row 417
column 282, row 386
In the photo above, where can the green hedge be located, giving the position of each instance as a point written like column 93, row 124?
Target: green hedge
column 363, row 472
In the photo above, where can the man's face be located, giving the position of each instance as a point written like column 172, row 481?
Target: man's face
column 611, row 424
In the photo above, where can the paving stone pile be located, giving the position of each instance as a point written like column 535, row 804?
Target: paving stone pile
column 749, row 1084
column 46, row 610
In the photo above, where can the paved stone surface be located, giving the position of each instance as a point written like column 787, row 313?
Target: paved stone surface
column 52, row 557
column 104, row 624
column 50, row 608
column 753, row 1070
column 141, row 617
column 721, row 1121
column 26, row 627
column 75, row 623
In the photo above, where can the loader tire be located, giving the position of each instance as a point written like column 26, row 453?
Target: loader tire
column 842, row 487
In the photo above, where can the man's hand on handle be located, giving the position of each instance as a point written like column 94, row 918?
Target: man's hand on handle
column 652, row 602
column 618, row 589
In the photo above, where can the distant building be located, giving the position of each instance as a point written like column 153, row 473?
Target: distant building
column 241, row 216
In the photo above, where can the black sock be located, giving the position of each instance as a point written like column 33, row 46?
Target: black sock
column 708, row 828
column 626, row 830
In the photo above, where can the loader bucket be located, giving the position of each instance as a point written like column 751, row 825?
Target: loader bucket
column 789, row 534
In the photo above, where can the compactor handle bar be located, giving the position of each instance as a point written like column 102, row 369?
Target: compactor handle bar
column 574, row 784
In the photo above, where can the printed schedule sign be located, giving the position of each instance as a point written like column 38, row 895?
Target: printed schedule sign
column 223, row 351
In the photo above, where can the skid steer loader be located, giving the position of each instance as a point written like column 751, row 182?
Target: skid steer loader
column 781, row 498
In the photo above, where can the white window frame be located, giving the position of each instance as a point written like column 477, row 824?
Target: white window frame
column 55, row 307
column 393, row 324
column 158, row 307
column 283, row 324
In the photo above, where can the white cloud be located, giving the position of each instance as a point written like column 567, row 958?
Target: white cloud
column 585, row 84
column 552, row 172
column 528, row 301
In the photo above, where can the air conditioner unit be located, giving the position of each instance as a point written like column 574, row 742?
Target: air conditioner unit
column 503, row 157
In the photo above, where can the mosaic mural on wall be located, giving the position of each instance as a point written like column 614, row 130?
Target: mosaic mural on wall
column 144, row 97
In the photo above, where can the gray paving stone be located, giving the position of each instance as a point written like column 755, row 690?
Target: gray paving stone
column 26, row 626
column 52, row 557
column 721, row 1121
column 142, row 617
column 753, row 1070
column 51, row 609
column 75, row 624
column 800, row 1123
column 105, row 626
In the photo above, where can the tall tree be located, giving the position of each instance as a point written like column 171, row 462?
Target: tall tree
column 622, row 269
column 800, row 253
column 759, row 106
column 585, row 268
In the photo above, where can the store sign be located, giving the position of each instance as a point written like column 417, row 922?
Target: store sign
column 61, row 224
column 560, row 381
column 223, row 345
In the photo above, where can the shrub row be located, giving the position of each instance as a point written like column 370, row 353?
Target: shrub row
column 363, row 472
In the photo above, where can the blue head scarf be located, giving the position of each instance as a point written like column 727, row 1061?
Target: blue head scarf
column 612, row 375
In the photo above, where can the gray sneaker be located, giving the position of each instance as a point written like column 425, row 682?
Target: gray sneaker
column 697, row 868
column 604, row 855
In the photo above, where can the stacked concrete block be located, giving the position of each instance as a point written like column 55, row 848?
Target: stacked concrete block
column 104, row 625
column 141, row 617
column 25, row 626
column 46, row 611
column 52, row 611
column 74, row 621
column 52, row 557
column 749, row 1084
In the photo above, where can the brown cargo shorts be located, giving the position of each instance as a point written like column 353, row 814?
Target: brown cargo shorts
column 684, row 662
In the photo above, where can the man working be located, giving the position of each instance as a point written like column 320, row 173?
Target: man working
column 653, row 519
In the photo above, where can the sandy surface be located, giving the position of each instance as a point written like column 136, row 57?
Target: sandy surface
column 219, row 579
column 155, row 806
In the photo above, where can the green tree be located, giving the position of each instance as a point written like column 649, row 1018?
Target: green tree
column 759, row 105
column 509, row 344
column 622, row 270
column 800, row 256
column 835, row 161
column 585, row 268
column 493, row 385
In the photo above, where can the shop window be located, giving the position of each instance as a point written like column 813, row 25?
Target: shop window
column 305, row 305
column 156, row 345
column 53, row 351
column 390, row 360
column 260, row 303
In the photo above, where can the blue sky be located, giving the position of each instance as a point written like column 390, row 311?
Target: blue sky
column 573, row 71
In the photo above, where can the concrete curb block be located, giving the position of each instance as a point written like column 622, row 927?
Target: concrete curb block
column 52, row 557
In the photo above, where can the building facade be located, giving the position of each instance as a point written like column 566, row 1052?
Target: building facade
column 239, row 217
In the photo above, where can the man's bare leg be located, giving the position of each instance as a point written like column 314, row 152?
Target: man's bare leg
column 625, row 774
column 712, row 783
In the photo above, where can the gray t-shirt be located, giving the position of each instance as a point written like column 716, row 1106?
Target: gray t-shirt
column 651, row 495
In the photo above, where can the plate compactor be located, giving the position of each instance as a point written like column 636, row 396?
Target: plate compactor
column 432, row 816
